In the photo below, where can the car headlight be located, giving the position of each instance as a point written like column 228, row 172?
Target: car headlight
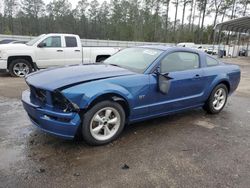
column 61, row 102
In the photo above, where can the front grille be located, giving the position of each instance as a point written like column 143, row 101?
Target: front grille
column 39, row 94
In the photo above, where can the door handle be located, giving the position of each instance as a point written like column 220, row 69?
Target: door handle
column 59, row 50
column 77, row 50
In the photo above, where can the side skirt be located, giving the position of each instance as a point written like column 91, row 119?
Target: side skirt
column 164, row 114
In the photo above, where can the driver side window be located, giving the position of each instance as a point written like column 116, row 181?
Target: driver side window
column 52, row 42
column 179, row 61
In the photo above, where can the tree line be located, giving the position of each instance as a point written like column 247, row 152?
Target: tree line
column 132, row 20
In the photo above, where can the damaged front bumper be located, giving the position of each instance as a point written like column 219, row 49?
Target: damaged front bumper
column 62, row 124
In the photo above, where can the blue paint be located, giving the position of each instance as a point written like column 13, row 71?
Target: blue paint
column 82, row 84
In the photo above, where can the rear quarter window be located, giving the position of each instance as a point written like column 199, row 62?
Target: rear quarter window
column 211, row 61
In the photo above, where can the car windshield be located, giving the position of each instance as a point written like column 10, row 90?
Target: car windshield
column 134, row 59
column 34, row 40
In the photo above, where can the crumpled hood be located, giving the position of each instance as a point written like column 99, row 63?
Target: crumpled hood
column 67, row 76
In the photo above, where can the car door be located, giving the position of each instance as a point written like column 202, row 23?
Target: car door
column 49, row 52
column 186, row 83
column 72, row 51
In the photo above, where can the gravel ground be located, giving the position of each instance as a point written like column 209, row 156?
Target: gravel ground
column 190, row 149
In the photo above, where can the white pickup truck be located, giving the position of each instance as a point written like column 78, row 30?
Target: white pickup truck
column 49, row 50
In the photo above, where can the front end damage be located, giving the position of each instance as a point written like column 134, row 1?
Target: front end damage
column 51, row 112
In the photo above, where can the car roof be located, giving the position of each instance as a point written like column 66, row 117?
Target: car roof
column 157, row 47
column 168, row 48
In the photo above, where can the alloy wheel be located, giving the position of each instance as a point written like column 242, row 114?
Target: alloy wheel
column 21, row 69
column 105, row 123
column 219, row 99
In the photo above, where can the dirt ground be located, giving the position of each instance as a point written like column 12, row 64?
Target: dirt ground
column 190, row 149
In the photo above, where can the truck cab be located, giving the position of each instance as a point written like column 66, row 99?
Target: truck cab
column 49, row 50
column 57, row 49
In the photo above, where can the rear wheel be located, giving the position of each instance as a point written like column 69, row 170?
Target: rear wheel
column 217, row 99
column 20, row 68
column 103, row 123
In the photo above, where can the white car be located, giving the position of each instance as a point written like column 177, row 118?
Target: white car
column 49, row 50
column 186, row 44
column 201, row 48
column 212, row 50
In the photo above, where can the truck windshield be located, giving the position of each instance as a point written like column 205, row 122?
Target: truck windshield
column 34, row 40
column 134, row 59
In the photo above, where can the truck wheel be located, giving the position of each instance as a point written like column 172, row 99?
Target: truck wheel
column 217, row 99
column 103, row 123
column 20, row 68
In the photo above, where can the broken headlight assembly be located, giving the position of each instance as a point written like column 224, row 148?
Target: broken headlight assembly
column 61, row 102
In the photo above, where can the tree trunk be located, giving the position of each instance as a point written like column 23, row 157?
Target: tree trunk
column 203, row 17
column 223, row 15
column 183, row 14
column 215, row 18
column 217, row 9
column 193, row 16
column 190, row 17
column 175, row 18
column 232, row 14
column 166, row 24
column 245, row 9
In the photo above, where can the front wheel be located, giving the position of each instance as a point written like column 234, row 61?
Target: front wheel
column 20, row 68
column 217, row 99
column 103, row 123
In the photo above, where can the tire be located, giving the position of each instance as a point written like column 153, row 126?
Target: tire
column 216, row 101
column 96, row 124
column 20, row 68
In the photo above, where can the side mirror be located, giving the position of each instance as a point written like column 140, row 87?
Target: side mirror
column 163, row 82
column 41, row 45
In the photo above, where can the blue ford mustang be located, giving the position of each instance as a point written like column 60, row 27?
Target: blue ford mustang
column 136, row 84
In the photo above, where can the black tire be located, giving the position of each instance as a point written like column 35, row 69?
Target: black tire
column 17, row 61
column 209, row 107
column 87, row 117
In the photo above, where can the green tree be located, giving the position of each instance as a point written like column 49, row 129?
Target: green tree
column 80, row 13
column 32, row 9
column 244, row 4
column 166, row 4
column 58, row 8
column 103, row 20
column 60, row 17
column 9, row 11
column 176, row 3
column 93, row 13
